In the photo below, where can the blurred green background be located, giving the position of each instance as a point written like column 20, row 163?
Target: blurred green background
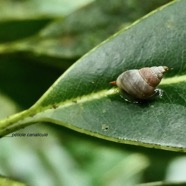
column 39, row 40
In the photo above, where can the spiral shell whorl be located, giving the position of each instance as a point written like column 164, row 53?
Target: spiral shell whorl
column 141, row 83
column 152, row 75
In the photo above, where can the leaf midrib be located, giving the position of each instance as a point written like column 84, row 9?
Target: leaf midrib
column 109, row 92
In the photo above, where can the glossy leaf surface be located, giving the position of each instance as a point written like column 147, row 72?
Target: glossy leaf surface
column 83, row 100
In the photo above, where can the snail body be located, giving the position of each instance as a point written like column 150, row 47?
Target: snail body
column 141, row 83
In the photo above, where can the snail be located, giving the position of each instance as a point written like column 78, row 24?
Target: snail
column 141, row 84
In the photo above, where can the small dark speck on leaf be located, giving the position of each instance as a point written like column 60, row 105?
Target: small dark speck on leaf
column 54, row 106
column 32, row 115
column 105, row 127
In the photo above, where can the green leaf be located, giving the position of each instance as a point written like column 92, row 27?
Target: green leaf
column 9, row 182
column 83, row 100
column 73, row 157
column 72, row 36
column 163, row 183
column 21, row 10
column 20, row 19
column 9, row 107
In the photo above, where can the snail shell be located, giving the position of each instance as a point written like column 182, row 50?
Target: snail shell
column 141, row 83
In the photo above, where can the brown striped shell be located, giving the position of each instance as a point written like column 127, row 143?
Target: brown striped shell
column 141, row 83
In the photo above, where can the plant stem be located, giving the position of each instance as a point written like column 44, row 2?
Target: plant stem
column 15, row 122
